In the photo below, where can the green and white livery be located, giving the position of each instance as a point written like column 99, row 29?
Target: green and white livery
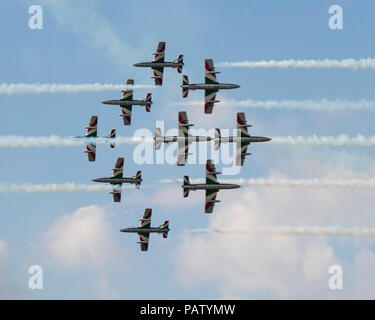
column 212, row 186
column 242, row 140
column 145, row 229
column 117, row 179
column 91, row 135
column 158, row 64
column 184, row 138
column 127, row 102
column 210, row 87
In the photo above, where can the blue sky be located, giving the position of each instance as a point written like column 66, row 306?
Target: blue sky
column 74, row 47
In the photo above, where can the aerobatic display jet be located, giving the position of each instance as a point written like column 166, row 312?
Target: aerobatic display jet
column 145, row 229
column 92, row 133
column 212, row 186
column 126, row 103
column 184, row 138
column 210, row 87
column 158, row 64
column 242, row 140
column 117, row 179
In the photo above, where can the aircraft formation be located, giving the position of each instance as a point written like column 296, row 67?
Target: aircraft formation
column 184, row 139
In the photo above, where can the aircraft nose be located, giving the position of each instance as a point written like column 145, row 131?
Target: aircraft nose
column 136, row 65
column 105, row 101
column 268, row 139
column 95, row 180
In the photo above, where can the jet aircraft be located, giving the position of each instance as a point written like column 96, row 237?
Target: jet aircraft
column 117, row 179
column 242, row 140
column 126, row 103
column 145, row 229
column 92, row 133
column 212, row 186
column 210, row 87
column 184, row 138
column 158, row 64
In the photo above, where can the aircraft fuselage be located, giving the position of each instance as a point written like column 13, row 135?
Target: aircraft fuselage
column 250, row 139
column 185, row 139
column 209, row 86
column 148, row 230
column 118, row 180
column 203, row 186
column 159, row 64
column 128, row 102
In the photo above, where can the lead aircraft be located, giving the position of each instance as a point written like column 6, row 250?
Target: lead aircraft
column 158, row 64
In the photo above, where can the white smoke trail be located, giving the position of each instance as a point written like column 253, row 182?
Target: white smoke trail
column 56, row 141
column 293, row 183
column 35, row 88
column 304, row 105
column 353, row 64
column 68, row 187
column 339, row 141
column 297, row 231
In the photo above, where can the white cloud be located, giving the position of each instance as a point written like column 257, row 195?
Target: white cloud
column 81, row 239
column 276, row 266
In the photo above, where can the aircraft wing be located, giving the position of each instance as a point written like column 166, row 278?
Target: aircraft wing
column 158, row 75
column 91, row 151
column 209, row 100
column 183, row 152
column 183, row 135
column 116, row 194
column 210, row 73
column 211, row 173
column 241, row 153
column 143, row 240
column 160, row 52
column 92, row 128
column 126, row 115
column 210, row 200
column 146, row 220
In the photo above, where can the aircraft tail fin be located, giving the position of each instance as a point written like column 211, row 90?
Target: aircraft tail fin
column 112, row 135
column 165, row 225
column 138, row 176
column 217, row 138
column 186, row 182
column 148, row 99
column 185, row 81
column 158, row 138
column 180, row 59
